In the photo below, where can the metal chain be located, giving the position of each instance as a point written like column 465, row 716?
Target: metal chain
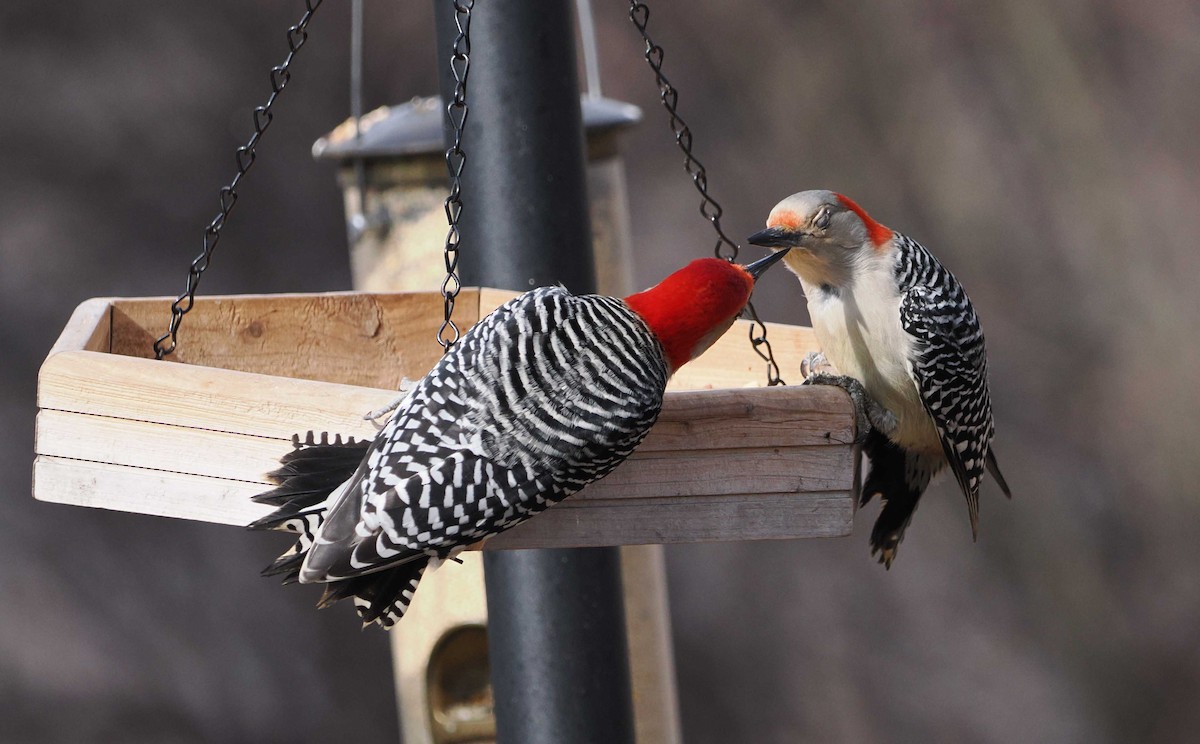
column 456, row 110
column 639, row 13
column 244, row 157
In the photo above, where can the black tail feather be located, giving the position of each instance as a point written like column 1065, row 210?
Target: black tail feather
column 886, row 462
column 888, row 478
column 338, row 590
column 385, row 600
column 306, row 477
column 287, row 564
column 312, row 470
column 379, row 597
column 280, row 518
column 994, row 468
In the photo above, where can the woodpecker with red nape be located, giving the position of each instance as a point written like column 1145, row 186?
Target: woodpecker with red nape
column 903, row 335
column 543, row 396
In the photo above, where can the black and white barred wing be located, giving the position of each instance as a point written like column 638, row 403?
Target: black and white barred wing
column 545, row 395
column 950, row 371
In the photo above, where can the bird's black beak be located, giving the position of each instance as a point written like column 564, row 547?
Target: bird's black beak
column 776, row 237
column 757, row 268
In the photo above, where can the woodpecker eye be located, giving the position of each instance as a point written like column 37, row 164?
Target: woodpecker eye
column 821, row 221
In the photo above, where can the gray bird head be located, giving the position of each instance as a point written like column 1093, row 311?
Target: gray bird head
column 827, row 231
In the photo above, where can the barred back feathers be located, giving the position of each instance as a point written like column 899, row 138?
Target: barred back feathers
column 545, row 395
column 950, row 368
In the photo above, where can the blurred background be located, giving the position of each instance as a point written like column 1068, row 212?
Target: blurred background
column 1046, row 152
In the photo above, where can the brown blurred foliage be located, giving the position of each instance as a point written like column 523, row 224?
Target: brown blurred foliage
column 1048, row 153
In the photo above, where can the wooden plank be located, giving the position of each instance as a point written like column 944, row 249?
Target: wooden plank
column 143, row 444
column 345, row 337
column 732, row 363
column 647, row 474
column 762, row 516
column 785, row 416
column 371, row 340
column 278, row 407
column 142, row 491
column 88, row 328
column 490, row 299
column 706, row 472
column 757, row 517
column 203, row 397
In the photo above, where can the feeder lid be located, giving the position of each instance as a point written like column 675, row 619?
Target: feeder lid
column 415, row 128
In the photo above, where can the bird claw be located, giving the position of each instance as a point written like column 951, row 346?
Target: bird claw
column 815, row 363
column 868, row 414
column 885, row 554
column 885, row 543
column 406, row 386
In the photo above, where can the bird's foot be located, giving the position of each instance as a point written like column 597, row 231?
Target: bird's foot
column 868, row 414
column 406, row 386
column 884, row 547
column 815, row 363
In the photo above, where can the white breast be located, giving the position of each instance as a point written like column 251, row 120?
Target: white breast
column 859, row 330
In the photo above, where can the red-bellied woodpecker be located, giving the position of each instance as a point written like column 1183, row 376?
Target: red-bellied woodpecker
column 898, row 327
column 543, row 396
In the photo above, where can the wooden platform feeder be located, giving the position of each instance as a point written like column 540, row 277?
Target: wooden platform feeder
column 192, row 437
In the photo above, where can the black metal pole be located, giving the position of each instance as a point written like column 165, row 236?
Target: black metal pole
column 525, row 216
column 556, row 620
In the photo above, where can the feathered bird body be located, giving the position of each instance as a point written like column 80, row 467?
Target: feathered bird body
column 890, row 316
column 524, row 411
column 545, row 395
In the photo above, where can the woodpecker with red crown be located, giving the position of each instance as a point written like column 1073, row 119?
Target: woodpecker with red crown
column 546, row 394
column 903, row 335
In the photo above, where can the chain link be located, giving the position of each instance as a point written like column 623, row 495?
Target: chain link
column 456, row 159
column 725, row 248
column 244, row 157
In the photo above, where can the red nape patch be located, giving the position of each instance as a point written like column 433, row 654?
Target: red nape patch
column 879, row 234
column 784, row 218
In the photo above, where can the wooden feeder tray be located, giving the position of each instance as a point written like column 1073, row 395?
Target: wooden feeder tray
column 193, row 436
